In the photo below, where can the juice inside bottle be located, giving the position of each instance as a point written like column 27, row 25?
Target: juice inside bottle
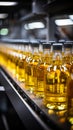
column 21, row 64
column 56, row 77
column 70, row 97
column 41, row 67
column 67, row 55
column 28, row 67
column 11, row 60
column 31, row 68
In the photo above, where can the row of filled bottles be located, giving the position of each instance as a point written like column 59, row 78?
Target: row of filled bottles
column 46, row 69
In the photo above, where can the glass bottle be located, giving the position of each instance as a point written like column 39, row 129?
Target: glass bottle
column 70, row 100
column 3, row 54
column 41, row 67
column 21, row 64
column 17, row 64
column 56, row 77
column 70, row 94
column 11, row 59
column 28, row 67
column 31, row 68
column 67, row 54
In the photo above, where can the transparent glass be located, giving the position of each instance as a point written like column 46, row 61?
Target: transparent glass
column 70, row 97
column 31, row 63
column 56, row 78
column 41, row 67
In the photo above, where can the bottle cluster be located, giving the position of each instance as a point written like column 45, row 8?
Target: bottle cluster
column 46, row 69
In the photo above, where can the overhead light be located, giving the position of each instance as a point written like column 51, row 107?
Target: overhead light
column 63, row 22
column 4, row 31
column 71, row 17
column 34, row 25
column 2, row 15
column 57, row 44
column 8, row 3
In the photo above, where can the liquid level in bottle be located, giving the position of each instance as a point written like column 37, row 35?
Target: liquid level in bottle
column 30, row 76
column 70, row 98
column 21, row 71
column 39, row 89
column 56, row 88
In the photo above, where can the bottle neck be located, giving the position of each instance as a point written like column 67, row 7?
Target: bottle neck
column 41, row 48
column 67, row 58
column 57, row 58
column 35, row 54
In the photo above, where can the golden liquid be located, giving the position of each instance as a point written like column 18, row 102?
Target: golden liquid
column 70, row 97
column 20, row 67
column 31, row 73
column 39, row 89
column 21, row 70
column 13, row 70
column 41, row 68
column 67, row 61
column 29, row 81
column 70, row 114
column 1, row 58
column 11, row 62
column 56, row 87
column 31, row 76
